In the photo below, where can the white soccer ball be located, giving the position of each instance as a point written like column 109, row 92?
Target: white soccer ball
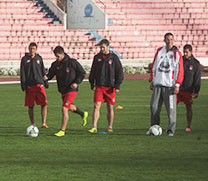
column 155, row 130
column 32, row 131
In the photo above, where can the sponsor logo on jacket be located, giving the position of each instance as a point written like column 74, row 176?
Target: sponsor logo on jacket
column 164, row 67
column 191, row 67
column 67, row 69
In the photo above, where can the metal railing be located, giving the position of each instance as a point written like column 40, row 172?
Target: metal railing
column 62, row 4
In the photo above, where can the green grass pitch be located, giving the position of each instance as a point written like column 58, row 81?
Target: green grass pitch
column 127, row 154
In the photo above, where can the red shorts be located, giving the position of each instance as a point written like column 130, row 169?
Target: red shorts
column 35, row 93
column 68, row 99
column 105, row 94
column 185, row 97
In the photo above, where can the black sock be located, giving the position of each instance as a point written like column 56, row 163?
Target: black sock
column 78, row 111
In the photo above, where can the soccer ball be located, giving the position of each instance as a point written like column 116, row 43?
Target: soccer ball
column 155, row 130
column 32, row 131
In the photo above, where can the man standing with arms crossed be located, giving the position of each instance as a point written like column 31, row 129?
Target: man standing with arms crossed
column 165, row 79
column 191, row 83
column 105, row 78
column 32, row 74
column 69, row 74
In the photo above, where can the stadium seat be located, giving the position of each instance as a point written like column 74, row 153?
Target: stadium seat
column 136, row 32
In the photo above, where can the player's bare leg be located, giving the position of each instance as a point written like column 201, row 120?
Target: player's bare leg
column 44, row 115
column 96, row 113
column 65, row 118
column 110, row 117
column 95, row 116
column 189, row 115
column 31, row 114
column 75, row 109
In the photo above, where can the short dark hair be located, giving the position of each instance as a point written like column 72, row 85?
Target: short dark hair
column 168, row 34
column 104, row 41
column 59, row 50
column 33, row 44
column 188, row 46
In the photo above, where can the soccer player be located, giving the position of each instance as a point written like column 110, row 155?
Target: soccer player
column 105, row 78
column 165, row 79
column 32, row 74
column 69, row 74
column 191, row 83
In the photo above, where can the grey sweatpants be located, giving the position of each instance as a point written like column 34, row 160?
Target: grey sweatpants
column 162, row 94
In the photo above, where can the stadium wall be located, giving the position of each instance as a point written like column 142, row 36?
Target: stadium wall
column 85, row 15
column 15, row 64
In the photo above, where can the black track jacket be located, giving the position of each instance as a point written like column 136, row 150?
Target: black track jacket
column 67, row 72
column 106, row 72
column 192, row 75
column 31, row 71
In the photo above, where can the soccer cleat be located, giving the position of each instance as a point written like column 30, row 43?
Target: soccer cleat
column 188, row 129
column 93, row 130
column 60, row 133
column 44, row 126
column 170, row 133
column 84, row 118
column 110, row 130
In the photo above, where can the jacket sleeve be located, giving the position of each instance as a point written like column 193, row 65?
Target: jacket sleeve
column 80, row 72
column 51, row 72
column 23, row 76
column 180, row 69
column 197, row 79
column 118, row 73
column 43, row 71
column 151, row 72
column 42, row 67
column 92, row 73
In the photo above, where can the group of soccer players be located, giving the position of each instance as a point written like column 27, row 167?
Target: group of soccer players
column 105, row 78
column 173, row 79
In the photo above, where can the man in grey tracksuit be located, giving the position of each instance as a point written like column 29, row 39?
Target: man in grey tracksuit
column 165, row 79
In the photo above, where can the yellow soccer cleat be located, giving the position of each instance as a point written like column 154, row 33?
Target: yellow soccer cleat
column 60, row 133
column 85, row 118
column 93, row 130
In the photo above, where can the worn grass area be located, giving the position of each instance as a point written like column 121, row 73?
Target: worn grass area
column 127, row 154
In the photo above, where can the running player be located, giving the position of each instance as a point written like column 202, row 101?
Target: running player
column 69, row 74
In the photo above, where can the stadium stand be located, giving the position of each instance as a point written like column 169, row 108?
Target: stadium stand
column 23, row 21
column 136, row 28
column 140, row 25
